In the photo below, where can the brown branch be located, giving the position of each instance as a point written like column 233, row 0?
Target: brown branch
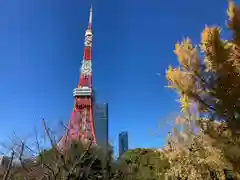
column 9, row 168
column 64, row 126
column 57, row 153
column 90, row 165
column 21, row 159
column 79, row 160
column 48, row 134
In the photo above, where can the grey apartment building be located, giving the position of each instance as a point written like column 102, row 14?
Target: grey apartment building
column 123, row 143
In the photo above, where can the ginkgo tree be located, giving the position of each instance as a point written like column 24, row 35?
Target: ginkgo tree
column 209, row 73
column 208, row 77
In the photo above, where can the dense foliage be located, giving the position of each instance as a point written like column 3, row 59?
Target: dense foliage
column 142, row 164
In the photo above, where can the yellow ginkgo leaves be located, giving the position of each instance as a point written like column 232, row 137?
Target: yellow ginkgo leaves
column 183, row 83
column 210, row 78
column 187, row 55
column 185, row 103
column 233, row 13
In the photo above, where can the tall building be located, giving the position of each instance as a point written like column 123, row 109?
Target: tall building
column 123, row 143
column 101, row 124
column 101, row 132
column 81, row 124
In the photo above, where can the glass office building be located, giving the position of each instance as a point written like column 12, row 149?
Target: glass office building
column 101, row 132
column 101, row 124
column 123, row 143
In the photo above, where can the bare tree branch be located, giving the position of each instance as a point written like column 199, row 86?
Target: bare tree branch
column 8, row 170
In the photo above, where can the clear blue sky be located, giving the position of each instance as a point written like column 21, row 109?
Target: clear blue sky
column 41, row 48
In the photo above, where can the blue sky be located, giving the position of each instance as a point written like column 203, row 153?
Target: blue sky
column 41, row 48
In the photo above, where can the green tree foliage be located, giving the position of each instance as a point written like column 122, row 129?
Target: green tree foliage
column 142, row 164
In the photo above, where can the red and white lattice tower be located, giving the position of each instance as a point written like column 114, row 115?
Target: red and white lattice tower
column 81, row 124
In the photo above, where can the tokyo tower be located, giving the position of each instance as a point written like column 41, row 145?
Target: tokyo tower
column 81, row 124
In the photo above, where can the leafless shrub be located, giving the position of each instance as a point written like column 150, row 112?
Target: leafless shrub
column 76, row 162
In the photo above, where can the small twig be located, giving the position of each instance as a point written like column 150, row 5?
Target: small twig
column 65, row 126
column 20, row 157
column 50, row 139
column 48, row 134
column 54, row 148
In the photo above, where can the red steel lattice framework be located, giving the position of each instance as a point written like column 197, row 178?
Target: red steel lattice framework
column 81, row 124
